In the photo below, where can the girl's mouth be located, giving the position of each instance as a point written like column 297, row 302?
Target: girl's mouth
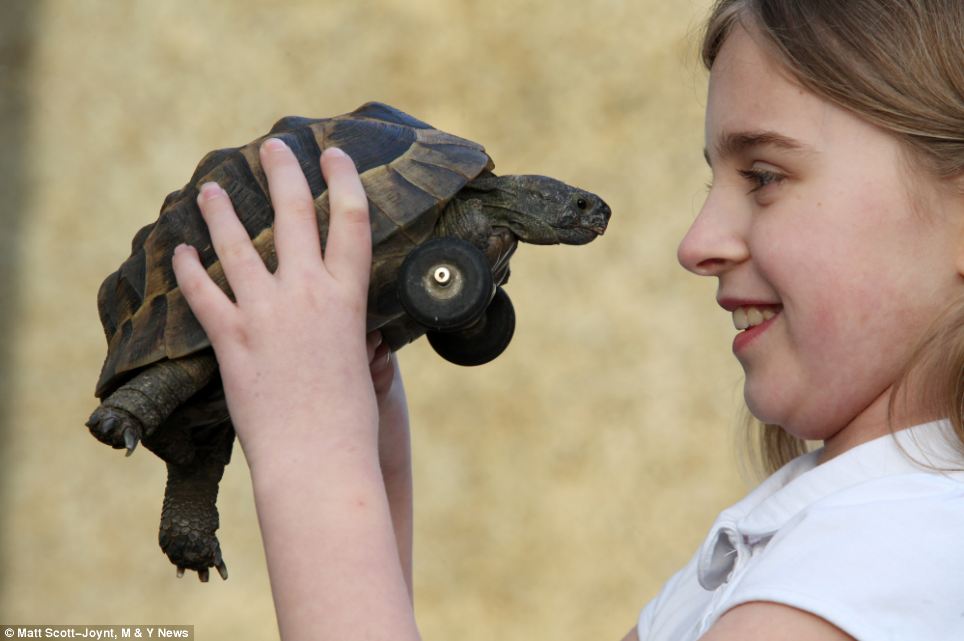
column 753, row 321
column 750, row 316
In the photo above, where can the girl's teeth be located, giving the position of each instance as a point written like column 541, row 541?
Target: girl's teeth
column 745, row 317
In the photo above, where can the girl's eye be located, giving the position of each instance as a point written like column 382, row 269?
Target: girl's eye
column 760, row 178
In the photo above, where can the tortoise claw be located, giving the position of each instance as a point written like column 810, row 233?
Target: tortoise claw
column 204, row 575
column 130, row 440
column 115, row 427
column 106, row 425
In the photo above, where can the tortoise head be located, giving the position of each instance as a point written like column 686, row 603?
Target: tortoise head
column 541, row 210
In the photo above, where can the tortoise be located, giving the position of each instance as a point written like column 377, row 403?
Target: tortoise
column 443, row 229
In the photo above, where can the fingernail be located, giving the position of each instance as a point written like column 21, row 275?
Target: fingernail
column 182, row 248
column 209, row 190
column 274, row 144
column 335, row 151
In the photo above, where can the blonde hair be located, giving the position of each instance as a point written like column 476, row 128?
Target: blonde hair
column 898, row 64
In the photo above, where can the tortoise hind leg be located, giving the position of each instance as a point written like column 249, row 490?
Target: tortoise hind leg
column 189, row 517
column 139, row 406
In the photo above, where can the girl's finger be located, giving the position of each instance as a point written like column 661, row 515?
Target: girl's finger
column 210, row 305
column 295, row 226
column 372, row 341
column 381, row 358
column 239, row 258
column 382, row 368
column 348, row 254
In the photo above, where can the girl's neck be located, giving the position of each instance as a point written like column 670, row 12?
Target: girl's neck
column 873, row 422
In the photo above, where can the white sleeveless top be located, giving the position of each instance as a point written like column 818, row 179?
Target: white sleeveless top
column 869, row 541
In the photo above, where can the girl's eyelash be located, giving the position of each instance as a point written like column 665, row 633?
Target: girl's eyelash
column 760, row 178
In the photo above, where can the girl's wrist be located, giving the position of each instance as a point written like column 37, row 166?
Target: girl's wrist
column 338, row 468
column 294, row 450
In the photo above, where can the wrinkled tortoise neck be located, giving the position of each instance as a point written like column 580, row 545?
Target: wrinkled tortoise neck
column 517, row 203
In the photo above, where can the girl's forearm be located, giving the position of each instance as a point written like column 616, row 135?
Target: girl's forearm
column 398, row 489
column 330, row 544
column 395, row 456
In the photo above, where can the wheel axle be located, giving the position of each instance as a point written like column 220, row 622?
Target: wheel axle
column 442, row 275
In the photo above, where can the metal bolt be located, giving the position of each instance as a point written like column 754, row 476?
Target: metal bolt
column 442, row 276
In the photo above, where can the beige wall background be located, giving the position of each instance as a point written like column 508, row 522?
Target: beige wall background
column 558, row 487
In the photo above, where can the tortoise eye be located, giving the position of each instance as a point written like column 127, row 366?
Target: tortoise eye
column 581, row 203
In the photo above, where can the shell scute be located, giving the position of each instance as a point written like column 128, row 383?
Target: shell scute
column 432, row 179
column 211, row 160
column 396, row 197
column 121, row 294
column 291, row 122
column 458, row 158
column 387, row 113
column 116, row 301
column 370, row 143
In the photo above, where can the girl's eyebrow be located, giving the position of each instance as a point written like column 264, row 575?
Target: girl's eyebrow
column 737, row 142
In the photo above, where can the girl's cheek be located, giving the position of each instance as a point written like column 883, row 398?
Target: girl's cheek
column 826, row 318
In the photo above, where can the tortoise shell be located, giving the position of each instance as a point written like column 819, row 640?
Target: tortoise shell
column 409, row 169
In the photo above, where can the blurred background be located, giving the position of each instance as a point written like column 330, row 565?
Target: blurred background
column 558, row 487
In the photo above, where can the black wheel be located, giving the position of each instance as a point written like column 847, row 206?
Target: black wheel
column 481, row 342
column 445, row 284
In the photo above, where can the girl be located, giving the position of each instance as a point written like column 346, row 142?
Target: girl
column 835, row 227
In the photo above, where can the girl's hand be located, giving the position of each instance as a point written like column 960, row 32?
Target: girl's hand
column 299, row 385
column 291, row 349
column 380, row 363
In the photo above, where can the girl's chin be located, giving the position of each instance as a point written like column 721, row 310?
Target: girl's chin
column 764, row 407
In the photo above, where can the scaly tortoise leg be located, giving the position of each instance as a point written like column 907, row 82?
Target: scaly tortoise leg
column 141, row 404
column 189, row 517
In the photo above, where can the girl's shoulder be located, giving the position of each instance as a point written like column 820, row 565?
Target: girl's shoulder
column 889, row 531
column 879, row 559
column 910, row 490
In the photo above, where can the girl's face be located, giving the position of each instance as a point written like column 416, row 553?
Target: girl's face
column 821, row 240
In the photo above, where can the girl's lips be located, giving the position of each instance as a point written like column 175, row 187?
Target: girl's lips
column 730, row 304
column 750, row 334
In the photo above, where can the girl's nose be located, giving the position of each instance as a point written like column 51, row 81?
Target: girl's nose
column 714, row 243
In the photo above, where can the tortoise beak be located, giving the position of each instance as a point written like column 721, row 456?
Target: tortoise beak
column 599, row 219
column 592, row 225
column 580, row 235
